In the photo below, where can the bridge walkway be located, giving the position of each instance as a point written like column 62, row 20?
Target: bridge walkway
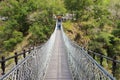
column 58, row 68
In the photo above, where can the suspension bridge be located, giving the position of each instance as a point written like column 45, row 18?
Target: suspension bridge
column 58, row 59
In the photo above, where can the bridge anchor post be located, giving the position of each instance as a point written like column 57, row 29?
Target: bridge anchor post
column 16, row 58
column 3, row 65
column 114, row 65
column 24, row 54
column 101, row 59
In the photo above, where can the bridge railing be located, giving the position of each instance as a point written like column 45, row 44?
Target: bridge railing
column 82, row 65
column 23, row 70
column 33, row 66
column 113, row 63
column 16, row 58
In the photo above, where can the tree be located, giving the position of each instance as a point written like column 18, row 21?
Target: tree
column 22, row 15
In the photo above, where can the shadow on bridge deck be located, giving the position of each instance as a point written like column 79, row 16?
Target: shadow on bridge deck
column 58, row 68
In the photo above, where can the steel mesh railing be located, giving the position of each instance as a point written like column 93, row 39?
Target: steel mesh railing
column 33, row 67
column 82, row 65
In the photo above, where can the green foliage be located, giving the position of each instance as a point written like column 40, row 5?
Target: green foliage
column 17, row 12
column 114, row 7
column 37, row 31
column 11, row 42
column 25, row 17
column 18, row 36
column 68, row 26
column 115, row 47
column 74, row 5
column 36, row 17
column 116, row 32
column 104, row 38
column 118, row 24
column 95, row 20
column 8, row 45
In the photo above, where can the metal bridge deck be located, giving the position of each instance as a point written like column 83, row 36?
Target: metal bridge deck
column 58, row 68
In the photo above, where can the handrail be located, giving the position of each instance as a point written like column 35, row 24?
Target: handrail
column 114, row 65
column 28, row 69
column 108, row 58
column 33, row 66
column 15, row 57
column 93, row 71
column 16, row 67
column 6, row 59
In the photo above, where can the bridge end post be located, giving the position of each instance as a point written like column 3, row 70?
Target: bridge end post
column 101, row 59
column 24, row 53
column 3, row 65
column 114, row 65
column 16, row 58
column 29, row 50
column 93, row 56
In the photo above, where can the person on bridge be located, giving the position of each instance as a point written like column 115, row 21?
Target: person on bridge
column 59, row 19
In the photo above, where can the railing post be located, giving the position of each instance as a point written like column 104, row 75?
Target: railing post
column 16, row 58
column 3, row 65
column 88, row 52
column 29, row 50
column 101, row 59
column 93, row 56
column 114, row 65
column 24, row 54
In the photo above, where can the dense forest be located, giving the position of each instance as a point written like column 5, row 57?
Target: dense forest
column 95, row 25
column 27, row 22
